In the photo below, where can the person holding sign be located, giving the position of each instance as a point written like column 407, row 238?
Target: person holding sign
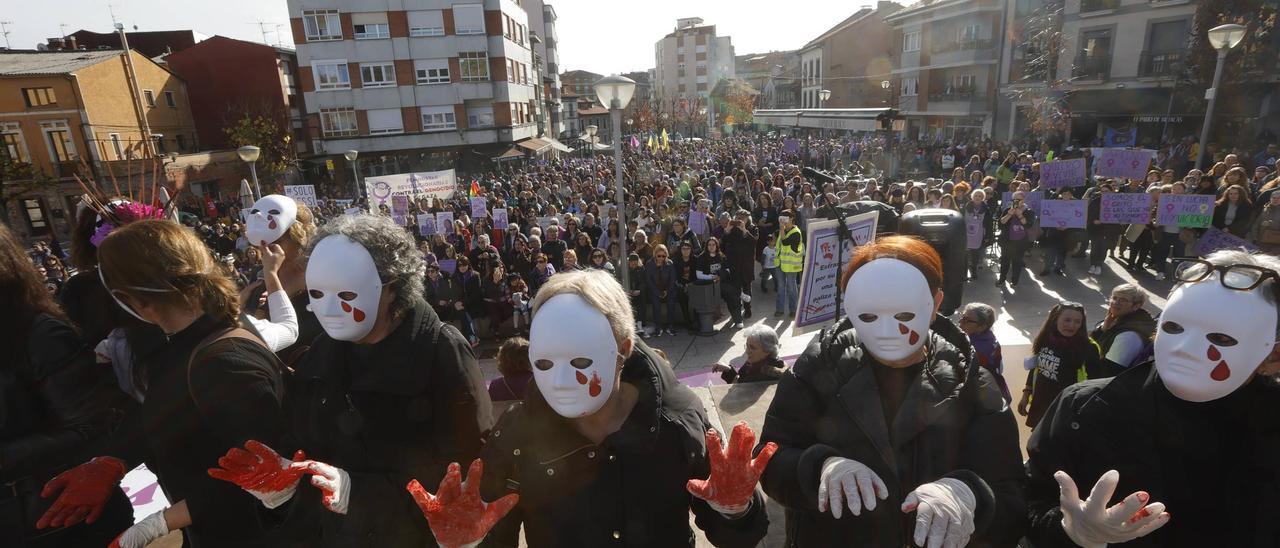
column 886, row 433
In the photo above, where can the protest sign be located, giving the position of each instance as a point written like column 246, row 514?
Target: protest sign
column 1063, row 214
column 698, row 223
column 352, row 211
column 343, row 203
column 1185, row 210
column 144, row 493
column 426, row 224
column 1062, row 173
column 1214, row 240
column 430, row 184
column 500, row 219
column 1033, row 199
column 444, row 222
column 822, row 263
column 303, row 194
column 1124, row 208
column 1131, row 163
column 400, row 209
column 478, row 209
column 448, row 265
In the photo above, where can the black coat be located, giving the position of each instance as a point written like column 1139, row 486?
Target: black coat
column 1212, row 464
column 952, row 423
column 628, row 491
column 740, row 246
column 401, row 409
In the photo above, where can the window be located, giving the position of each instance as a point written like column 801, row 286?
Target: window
column 432, row 71
column 700, row 48
column 963, row 82
column 36, row 220
column 967, row 34
column 331, row 74
column 11, row 137
column 58, row 135
column 150, row 97
column 474, row 65
column 169, row 99
column 385, row 121
column 182, row 142
column 39, row 97
column 910, row 87
column 468, row 19
column 426, row 23
column 370, row 26
column 438, row 118
column 116, row 146
column 480, row 116
column 338, row 122
column 377, row 75
column 321, row 25
column 910, row 41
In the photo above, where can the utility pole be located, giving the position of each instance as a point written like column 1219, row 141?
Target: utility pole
column 148, row 145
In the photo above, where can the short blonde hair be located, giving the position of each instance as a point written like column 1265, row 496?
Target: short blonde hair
column 601, row 291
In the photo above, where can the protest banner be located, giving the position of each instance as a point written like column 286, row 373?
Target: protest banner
column 817, row 302
column 426, row 224
column 1214, row 240
column 448, row 265
column 478, row 208
column 344, row 203
column 444, row 222
column 1033, row 199
column 1185, row 210
column 430, row 184
column 1124, row 208
column 1062, row 173
column 1130, row 163
column 303, row 194
column 500, row 219
column 400, row 210
column 1063, row 214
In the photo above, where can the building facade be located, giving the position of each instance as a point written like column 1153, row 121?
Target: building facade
column 776, row 75
column 690, row 60
column 580, row 82
column 850, row 60
column 546, row 62
column 434, row 85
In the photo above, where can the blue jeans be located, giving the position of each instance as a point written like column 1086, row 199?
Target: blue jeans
column 788, row 290
column 657, row 301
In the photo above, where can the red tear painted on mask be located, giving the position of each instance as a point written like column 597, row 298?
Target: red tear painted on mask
column 1213, row 353
column 594, row 388
column 346, row 307
column 1221, row 372
column 582, row 378
column 272, row 224
column 914, row 338
column 358, row 315
column 902, row 328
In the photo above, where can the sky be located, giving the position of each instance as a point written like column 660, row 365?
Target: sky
column 602, row 36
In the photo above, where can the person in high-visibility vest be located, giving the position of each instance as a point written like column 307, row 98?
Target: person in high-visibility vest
column 790, row 250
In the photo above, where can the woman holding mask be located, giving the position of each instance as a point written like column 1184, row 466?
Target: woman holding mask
column 279, row 222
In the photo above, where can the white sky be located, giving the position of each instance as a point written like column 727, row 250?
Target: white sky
column 603, row 36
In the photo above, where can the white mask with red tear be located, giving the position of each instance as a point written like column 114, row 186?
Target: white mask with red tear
column 269, row 218
column 1211, row 339
column 344, row 287
column 891, row 307
column 574, row 355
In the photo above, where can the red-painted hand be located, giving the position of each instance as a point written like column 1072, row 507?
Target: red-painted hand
column 261, row 471
column 734, row 474
column 456, row 514
column 84, row 491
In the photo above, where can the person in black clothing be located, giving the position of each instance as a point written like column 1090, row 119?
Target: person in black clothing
column 635, row 293
column 296, row 236
column 686, row 266
column 1016, row 222
column 739, row 246
column 714, row 267
column 554, row 247
column 387, row 394
column 59, row 407
column 1124, row 335
column 760, row 358
column 681, row 234
column 1064, row 355
column 212, row 385
column 470, row 304
column 1102, row 237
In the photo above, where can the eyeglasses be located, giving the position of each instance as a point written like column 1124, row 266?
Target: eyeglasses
column 1242, row 277
column 966, row 319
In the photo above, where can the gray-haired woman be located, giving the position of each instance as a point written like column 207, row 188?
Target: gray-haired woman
column 761, row 358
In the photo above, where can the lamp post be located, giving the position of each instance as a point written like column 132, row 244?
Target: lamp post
column 591, row 137
column 1223, row 38
column 351, row 156
column 615, row 92
column 249, row 155
column 823, row 95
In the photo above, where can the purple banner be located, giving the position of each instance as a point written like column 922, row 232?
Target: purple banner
column 1062, row 173
column 1063, row 213
column 1124, row 162
column 1185, row 210
column 1126, row 208
column 791, row 145
column 1215, row 239
column 1034, row 199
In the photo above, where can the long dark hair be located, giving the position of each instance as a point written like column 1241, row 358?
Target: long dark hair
column 23, row 293
column 1050, row 327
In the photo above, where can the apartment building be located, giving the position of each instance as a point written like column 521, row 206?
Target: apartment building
column 580, row 82
column 849, row 60
column 945, row 58
column 430, row 85
column 546, row 62
column 776, row 75
column 690, row 60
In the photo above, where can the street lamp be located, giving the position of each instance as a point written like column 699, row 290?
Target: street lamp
column 249, row 155
column 615, row 92
column 351, row 156
column 1223, row 38
column 591, row 137
column 823, row 95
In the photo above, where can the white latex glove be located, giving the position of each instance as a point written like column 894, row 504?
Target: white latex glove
column 150, row 529
column 850, row 482
column 944, row 513
column 1092, row 525
column 335, row 483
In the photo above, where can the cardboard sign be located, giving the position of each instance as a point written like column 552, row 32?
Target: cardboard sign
column 478, row 208
column 1214, row 240
column 448, row 265
column 1062, row 173
column 1063, row 214
column 400, row 210
column 444, row 222
column 1185, row 210
column 500, row 219
column 426, row 224
column 1126, row 208
column 1124, row 162
column 303, row 194
column 1033, row 199
column 698, row 223
column 822, row 263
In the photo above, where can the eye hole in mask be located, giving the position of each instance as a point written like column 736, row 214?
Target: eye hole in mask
column 1172, row 328
column 904, row 316
column 347, row 295
column 867, row 318
column 316, row 294
column 1222, row 339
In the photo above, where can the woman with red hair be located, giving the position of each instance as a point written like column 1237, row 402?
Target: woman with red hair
column 885, row 419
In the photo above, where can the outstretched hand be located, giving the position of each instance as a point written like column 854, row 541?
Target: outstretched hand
column 82, row 492
column 1091, row 524
column 734, row 473
column 457, row 516
column 261, row 471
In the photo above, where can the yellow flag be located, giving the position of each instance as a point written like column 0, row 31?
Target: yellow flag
column 666, row 143
column 651, row 142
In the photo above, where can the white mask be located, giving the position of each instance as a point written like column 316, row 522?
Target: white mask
column 269, row 218
column 574, row 355
column 344, row 287
column 1211, row 339
column 891, row 307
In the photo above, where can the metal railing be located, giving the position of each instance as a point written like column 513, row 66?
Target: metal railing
column 1087, row 6
column 1091, row 67
column 1160, row 63
column 962, row 45
column 964, row 95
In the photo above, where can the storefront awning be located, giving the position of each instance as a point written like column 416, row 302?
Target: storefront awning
column 513, row 153
column 557, row 145
column 534, row 145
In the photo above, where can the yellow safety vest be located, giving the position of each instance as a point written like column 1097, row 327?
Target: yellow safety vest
column 790, row 261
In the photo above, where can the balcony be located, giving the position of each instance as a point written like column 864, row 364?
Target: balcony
column 1088, row 67
column 1164, row 64
column 962, row 99
column 1087, row 6
column 962, row 45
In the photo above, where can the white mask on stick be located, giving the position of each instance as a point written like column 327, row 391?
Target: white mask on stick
column 344, row 287
column 269, row 218
column 574, row 355
column 1211, row 339
column 891, row 307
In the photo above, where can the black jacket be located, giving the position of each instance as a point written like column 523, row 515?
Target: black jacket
column 952, row 423
column 740, row 246
column 1212, row 464
column 401, row 409
column 1138, row 321
column 628, row 491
